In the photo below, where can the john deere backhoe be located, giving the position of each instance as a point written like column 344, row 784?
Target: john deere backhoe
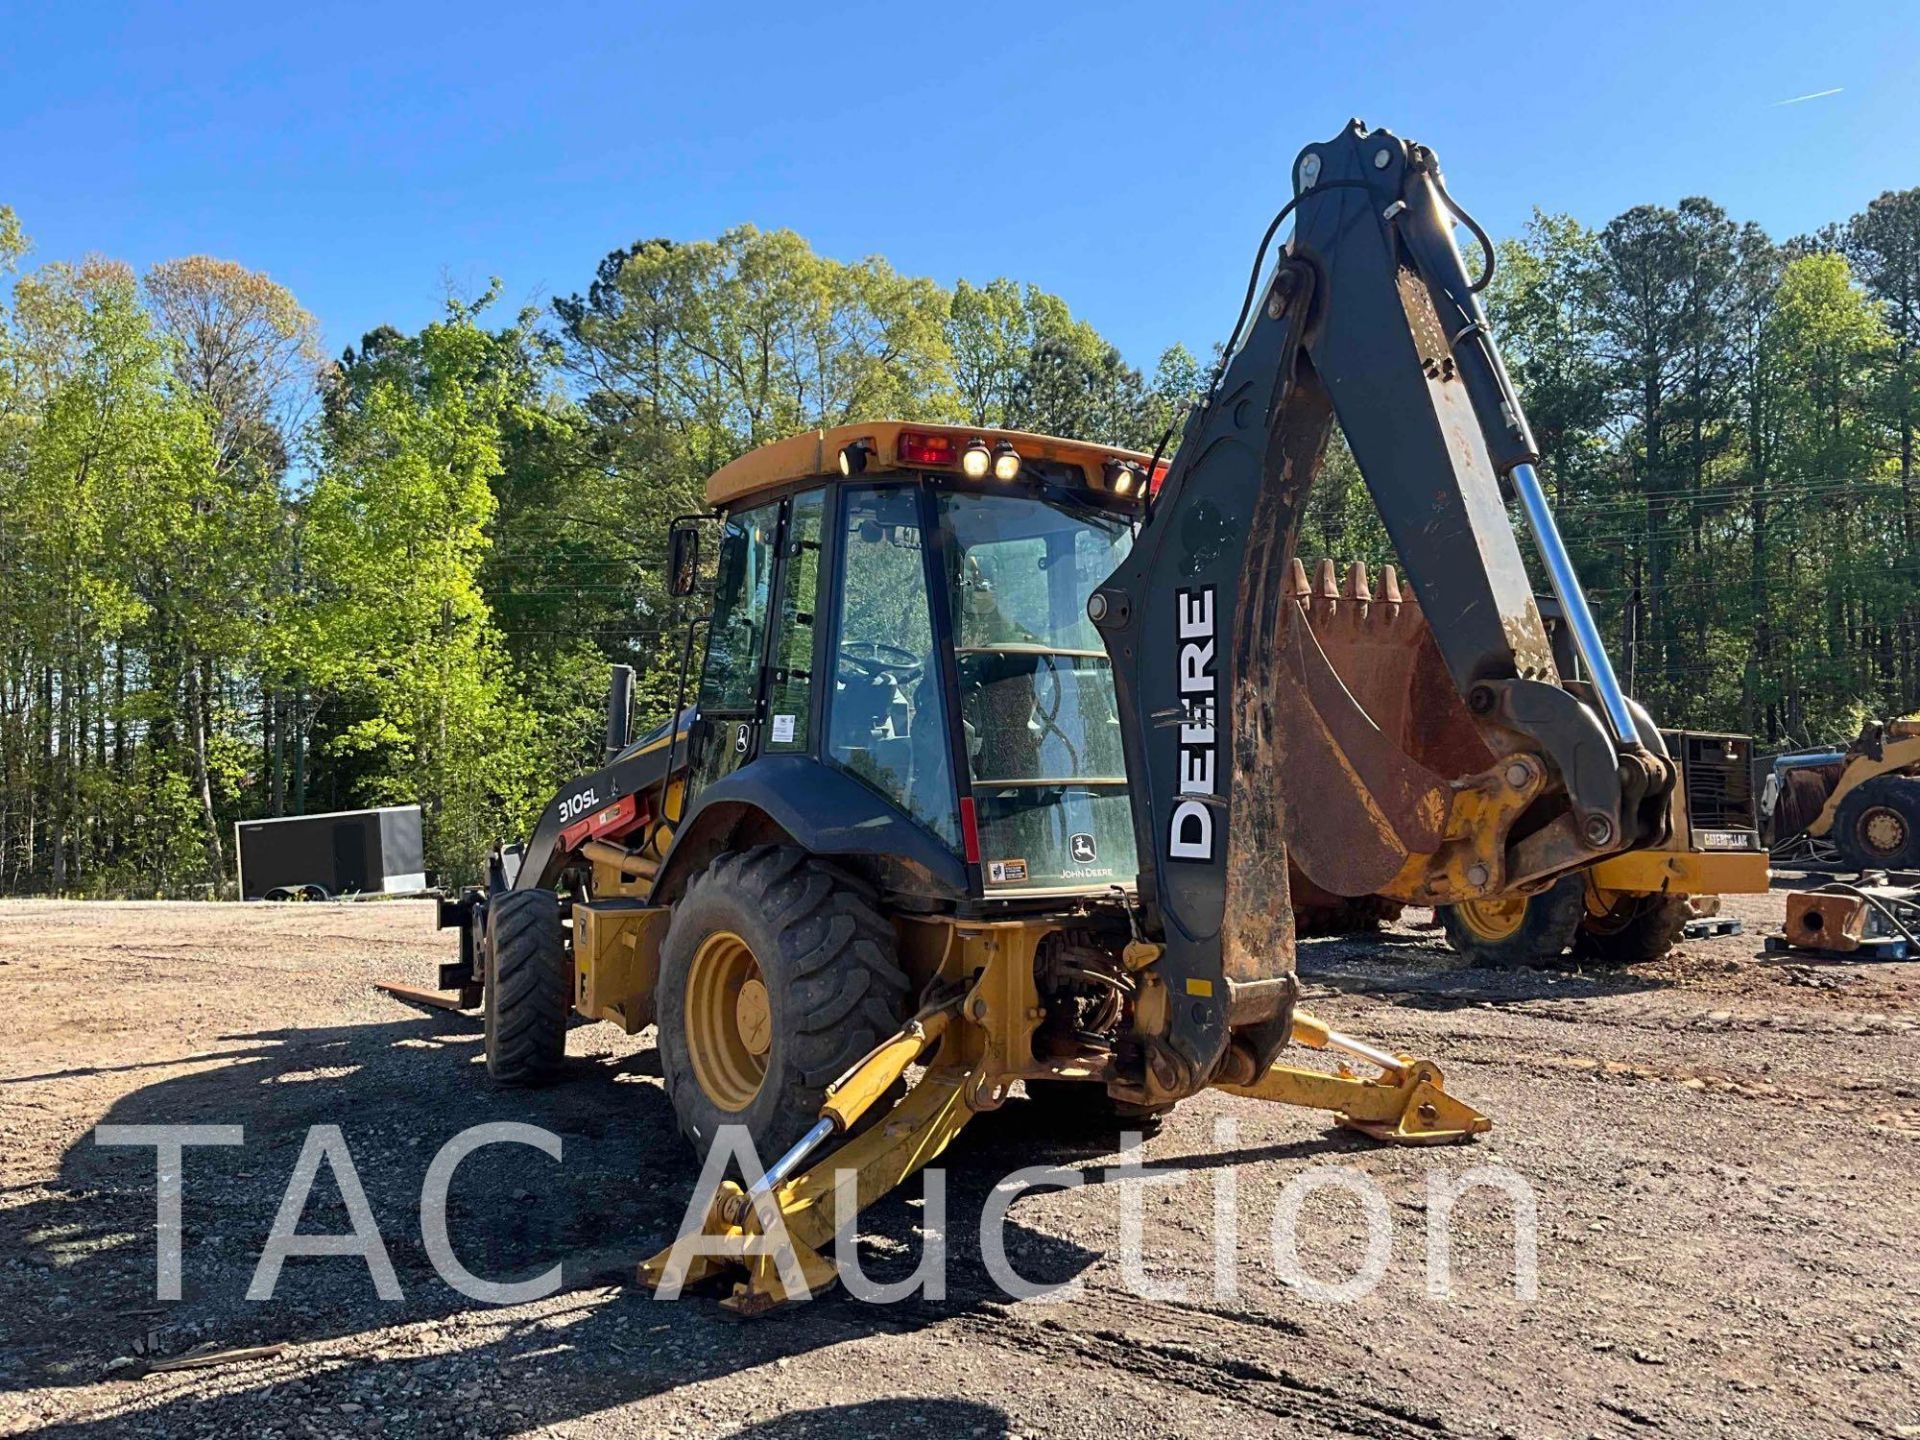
column 998, row 764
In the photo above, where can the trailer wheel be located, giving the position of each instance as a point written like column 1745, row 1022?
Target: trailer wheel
column 1509, row 931
column 777, row 975
column 1632, row 929
column 1083, row 1105
column 528, row 989
column 1877, row 827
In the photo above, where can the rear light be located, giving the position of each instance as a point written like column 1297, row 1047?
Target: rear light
column 921, row 447
column 976, row 460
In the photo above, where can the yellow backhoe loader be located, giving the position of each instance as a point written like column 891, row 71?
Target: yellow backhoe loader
column 1003, row 748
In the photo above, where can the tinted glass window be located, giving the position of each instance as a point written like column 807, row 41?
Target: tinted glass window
column 790, row 687
column 1036, row 690
column 737, row 638
column 885, row 721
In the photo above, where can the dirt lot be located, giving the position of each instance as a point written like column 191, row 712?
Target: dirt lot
column 1722, row 1151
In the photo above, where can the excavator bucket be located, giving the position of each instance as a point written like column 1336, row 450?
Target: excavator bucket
column 1393, row 687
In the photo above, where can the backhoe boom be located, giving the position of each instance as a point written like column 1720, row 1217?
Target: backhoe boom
column 1243, row 746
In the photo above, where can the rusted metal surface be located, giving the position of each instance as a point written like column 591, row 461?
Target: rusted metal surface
column 1257, row 937
column 1826, row 922
column 1377, row 640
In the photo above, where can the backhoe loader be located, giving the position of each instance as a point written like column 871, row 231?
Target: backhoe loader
column 997, row 762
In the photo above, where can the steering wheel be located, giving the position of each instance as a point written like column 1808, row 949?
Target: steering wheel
column 870, row 659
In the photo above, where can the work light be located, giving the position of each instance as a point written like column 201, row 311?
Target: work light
column 1006, row 461
column 975, row 460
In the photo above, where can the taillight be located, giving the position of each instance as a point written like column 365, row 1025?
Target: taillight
column 920, row 447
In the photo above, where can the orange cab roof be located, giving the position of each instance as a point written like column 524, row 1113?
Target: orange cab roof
column 817, row 452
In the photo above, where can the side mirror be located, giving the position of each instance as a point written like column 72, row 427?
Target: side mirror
column 683, row 557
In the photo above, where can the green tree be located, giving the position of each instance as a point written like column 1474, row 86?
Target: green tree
column 397, row 634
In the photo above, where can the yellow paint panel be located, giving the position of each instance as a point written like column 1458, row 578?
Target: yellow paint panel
column 1200, row 987
column 1683, row 872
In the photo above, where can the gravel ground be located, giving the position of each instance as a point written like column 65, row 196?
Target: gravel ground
column 1720, row 1149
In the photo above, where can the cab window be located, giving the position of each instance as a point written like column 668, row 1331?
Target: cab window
column 885, row 721
column 790, row 684
column 737, row 639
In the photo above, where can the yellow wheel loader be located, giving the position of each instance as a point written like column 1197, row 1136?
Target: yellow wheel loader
column 1864, row 801
column 1003, row 748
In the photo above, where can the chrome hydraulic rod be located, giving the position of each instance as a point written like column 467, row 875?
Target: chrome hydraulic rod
column 1573, row 605
column 782, row 1169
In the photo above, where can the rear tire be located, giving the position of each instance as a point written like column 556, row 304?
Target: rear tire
column 528, row 988
column 1877, row 827
column 777, row 975
column 1638, row 928
column 1506, row 934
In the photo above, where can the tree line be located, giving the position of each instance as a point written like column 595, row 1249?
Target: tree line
column 239, row 579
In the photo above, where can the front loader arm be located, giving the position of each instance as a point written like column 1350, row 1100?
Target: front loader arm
column 1243, row 745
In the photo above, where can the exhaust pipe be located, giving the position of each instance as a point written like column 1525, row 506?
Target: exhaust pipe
column 619, row 709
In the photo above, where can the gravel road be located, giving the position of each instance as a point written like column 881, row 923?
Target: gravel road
column 1720, row 1150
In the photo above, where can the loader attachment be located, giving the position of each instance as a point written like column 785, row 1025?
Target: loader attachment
column 1466, row 770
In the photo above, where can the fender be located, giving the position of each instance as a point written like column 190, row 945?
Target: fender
column 824, row 811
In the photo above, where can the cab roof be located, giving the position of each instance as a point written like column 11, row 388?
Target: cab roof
column 817, row 453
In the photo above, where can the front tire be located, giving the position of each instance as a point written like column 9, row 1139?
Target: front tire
column 1634, row 929
column 1508, row 932
column 777, row 975
column 1877, row 827
column 528, row 990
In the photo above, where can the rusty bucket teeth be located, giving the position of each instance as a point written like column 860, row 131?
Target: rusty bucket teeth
column 1324, row 598
column 1376, row 639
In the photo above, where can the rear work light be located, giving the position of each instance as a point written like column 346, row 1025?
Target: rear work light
column 920, row 447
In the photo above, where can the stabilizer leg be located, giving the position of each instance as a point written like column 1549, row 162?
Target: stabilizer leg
column 776, row 1231
column 1406, row 1105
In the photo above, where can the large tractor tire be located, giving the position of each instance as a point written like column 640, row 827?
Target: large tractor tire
column 777, row 974
column 1508, row 932
column 1877, row 826
column 1082, row 1106
column 1633, row 929
column 528, row 990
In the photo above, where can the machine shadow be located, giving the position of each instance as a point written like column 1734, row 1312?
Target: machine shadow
column 1377, row 967
column 883, row 1417
column 81, row 1289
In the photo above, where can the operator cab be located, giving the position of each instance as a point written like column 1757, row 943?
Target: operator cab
column 907, row 604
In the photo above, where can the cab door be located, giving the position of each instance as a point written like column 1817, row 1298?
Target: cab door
column 756, row 689
column 733, row 680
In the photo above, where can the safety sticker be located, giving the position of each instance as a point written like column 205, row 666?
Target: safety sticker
column 783, row 729
column 1006, row 872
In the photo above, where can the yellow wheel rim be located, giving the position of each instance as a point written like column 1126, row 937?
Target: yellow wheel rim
column 1496, row 918
column 729, row 1020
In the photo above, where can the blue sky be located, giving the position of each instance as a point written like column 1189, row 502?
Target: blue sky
column 1124, row 155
